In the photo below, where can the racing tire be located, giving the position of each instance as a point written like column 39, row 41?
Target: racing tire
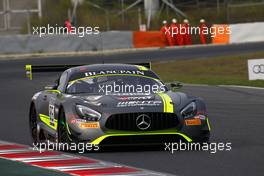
column 33, row 125
column 63, row 134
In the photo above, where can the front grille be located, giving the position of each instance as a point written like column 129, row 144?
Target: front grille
column 128, row 121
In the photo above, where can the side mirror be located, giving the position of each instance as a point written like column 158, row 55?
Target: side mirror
column 51, row 87
column 174, row 86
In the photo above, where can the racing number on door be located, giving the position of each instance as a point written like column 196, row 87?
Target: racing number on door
column 51, row 114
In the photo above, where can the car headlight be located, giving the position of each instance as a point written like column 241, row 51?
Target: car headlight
column 87, row 113
column 189, row 111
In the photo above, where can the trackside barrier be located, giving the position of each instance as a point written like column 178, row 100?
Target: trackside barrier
column 221, row 34
column 247, row 32
column 240, row 33
column 19, row 44
column 148, row 39
column 65, row 43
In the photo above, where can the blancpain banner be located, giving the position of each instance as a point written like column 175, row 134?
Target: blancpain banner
column 256, row 69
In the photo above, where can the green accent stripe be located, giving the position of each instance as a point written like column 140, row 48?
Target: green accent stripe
column 69, row 132
column 29, row 71
column 167, row 103
column 100, row 139
column 67, row 126
column 208, row 124
column 46, row 119
column 141, row 68
column 54, row 91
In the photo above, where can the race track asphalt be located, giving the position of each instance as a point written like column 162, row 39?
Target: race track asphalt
column 236, row 116
column 134, row 56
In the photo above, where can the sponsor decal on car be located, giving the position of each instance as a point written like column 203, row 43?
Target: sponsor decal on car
column 202, row 117
column 134, row 72
column 74, row 120
column 139, row 103
column 126, row 98
column 51, row 114
column 191, row 122
column 89, row 125
column 72, row 117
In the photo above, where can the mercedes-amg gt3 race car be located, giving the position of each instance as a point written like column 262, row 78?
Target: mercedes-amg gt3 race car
column 80, row 107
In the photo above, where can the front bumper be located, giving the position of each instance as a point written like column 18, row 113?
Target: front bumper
column 99, row 134
column 140, row 138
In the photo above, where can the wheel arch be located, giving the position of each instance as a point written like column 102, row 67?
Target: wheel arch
column 33, row 105
column 61, row 107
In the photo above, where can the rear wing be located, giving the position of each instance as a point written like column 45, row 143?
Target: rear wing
column 60, row 68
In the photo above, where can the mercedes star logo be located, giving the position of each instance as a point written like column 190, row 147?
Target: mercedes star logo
column 143, row 122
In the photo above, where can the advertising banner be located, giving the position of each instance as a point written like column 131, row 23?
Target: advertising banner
column 256, row 69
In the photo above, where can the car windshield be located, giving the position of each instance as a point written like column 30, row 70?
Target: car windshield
column 115, row 85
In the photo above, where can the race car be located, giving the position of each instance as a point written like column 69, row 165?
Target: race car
column 83, row 106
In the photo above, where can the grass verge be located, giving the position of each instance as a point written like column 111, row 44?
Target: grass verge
column 224, row 70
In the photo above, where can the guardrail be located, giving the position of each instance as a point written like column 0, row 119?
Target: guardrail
column 21, row 44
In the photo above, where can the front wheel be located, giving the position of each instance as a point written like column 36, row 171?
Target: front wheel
column 33, row 124
column 63, row 133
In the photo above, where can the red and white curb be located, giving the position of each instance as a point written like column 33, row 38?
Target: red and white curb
column 67, row 163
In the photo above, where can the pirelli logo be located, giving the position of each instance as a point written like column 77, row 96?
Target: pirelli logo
column 90, row 125
column 192, row 122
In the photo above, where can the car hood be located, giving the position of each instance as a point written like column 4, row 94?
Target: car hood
column 133, row 102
